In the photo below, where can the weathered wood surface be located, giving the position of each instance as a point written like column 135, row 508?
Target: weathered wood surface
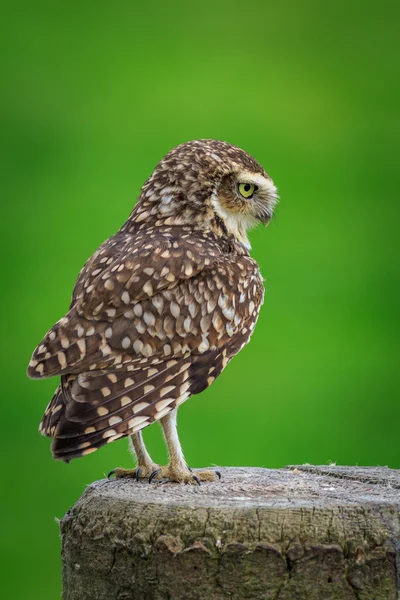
column 300, row 533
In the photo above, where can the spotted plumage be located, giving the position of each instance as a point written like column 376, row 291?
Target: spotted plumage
column 162, row 306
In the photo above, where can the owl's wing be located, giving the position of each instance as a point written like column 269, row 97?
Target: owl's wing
column 95, row 408
column 125, row 364
column 125, row 272
column 128, row 269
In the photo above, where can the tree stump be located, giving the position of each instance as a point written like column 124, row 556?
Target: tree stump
column 299, row 533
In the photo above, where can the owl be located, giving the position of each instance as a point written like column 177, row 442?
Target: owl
column 160, row 309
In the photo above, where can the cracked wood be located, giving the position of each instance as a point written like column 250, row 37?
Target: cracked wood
column 303, row 532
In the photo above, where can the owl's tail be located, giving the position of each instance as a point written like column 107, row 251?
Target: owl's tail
column 94, row 408
column 99, row 407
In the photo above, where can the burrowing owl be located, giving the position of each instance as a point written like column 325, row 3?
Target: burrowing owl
column 160, row 309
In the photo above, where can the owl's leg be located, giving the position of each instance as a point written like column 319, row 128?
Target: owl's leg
column 143, row 458
column 177, row 470
column 145, row 466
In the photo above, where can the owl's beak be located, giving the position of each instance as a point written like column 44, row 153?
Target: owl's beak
column 266, row 202
column 265, row 216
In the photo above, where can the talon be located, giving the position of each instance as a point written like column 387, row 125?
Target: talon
column 137, row 475
column 110, row 474
column 197, row 480
column 154, row 473
column 218, row 474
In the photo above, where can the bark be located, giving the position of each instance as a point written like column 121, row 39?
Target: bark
column 299, row 533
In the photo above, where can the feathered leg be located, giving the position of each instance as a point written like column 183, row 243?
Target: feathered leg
column 139, row 449
column 177, row 470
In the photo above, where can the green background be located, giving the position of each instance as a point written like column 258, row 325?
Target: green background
column 94, row 94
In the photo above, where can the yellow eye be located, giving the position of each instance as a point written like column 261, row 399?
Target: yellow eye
column 246, row 189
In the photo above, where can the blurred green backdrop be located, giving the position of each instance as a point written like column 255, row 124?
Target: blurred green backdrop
column 94, row 94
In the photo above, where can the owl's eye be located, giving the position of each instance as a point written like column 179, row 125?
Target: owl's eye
column 247, row 189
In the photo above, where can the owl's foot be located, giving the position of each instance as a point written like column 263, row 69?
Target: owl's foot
column 183, row 475
column 141, row 472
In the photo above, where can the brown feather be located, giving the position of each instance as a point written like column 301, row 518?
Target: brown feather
column 165, row 302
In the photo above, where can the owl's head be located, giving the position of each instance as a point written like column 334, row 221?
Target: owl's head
column 208, row 184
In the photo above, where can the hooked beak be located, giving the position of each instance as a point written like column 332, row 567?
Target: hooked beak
column 265, row 216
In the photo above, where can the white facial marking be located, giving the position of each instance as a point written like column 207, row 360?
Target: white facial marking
column 237, row 223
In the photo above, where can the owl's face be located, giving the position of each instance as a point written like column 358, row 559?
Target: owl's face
column 207, row 181
column 243, row 199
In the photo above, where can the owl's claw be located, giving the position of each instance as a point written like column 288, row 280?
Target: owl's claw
column 141, row 472
column 218, row 473
column 166, row 475
column 154, row 473
column 182, row 475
